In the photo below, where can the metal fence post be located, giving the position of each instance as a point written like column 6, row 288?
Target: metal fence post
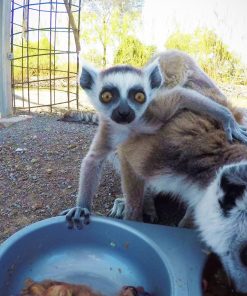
column 5, row 63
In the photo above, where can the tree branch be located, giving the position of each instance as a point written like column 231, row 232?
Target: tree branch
column 73, row 26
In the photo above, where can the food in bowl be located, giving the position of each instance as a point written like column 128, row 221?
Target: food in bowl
column 55, row 288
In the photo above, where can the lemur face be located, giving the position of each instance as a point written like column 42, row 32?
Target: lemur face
column 121, row 93
column 222, row 220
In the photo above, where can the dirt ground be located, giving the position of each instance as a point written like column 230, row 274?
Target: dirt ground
column 39, row 169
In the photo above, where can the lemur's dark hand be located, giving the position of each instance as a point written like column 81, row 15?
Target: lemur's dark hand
column 76, row 217
column 235, row 130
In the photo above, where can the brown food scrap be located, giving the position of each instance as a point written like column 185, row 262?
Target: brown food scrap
column 126, row 246
column 59, row 290
column 33, row 289
column 53, row 288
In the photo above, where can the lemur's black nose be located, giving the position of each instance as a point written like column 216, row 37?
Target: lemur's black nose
column 123, row 110
column 123, row 114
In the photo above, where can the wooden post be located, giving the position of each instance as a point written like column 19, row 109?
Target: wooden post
column 5, row 63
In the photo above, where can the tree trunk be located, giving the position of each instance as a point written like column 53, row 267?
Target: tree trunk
column 73, row 26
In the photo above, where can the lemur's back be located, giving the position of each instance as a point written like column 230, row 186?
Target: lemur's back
column 188, row 145
column 179, row 68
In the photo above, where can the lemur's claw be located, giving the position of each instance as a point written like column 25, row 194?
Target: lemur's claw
column 236, row 131
column 76, row 216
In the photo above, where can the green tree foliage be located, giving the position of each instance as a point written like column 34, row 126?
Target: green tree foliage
column 132, row 51
column 104, row 24
column 210, row 52
column 39, row 61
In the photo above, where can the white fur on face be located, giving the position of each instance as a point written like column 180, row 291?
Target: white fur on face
column 123, row 81
column 149, row 79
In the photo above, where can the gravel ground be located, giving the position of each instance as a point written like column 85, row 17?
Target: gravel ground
column 39, row 169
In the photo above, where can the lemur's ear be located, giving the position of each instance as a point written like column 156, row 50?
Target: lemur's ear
column 154, row 74
column 89, row 76
column 233, row 183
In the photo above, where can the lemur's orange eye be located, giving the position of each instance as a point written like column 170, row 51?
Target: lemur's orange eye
column 106, row 97
column 140, row 97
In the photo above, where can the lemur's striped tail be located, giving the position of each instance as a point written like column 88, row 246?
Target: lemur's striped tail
column 80, row 116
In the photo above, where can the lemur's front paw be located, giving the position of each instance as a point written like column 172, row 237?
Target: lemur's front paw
column 235, row 130
column 117, row 210
column 76, row 216
column 120, row 211
column 149, row 211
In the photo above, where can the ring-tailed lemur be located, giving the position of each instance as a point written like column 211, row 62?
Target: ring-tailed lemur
column 122, row 96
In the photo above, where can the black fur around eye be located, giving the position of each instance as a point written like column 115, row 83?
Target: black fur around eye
column 108, row 94
column 137, row 94
column 243, row 256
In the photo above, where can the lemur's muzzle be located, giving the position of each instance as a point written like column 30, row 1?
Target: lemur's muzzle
column 123, row 114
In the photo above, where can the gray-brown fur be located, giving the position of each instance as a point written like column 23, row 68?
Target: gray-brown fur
column 134, row 185
column 188, row 144
column 181, row 75
column 91, row 165
column 180, row 69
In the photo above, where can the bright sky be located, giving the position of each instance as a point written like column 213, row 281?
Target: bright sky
column 228, row 18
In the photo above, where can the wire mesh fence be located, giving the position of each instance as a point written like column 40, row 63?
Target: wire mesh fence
column 45, row 54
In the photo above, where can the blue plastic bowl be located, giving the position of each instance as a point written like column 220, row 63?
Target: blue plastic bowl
column 107, row 254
